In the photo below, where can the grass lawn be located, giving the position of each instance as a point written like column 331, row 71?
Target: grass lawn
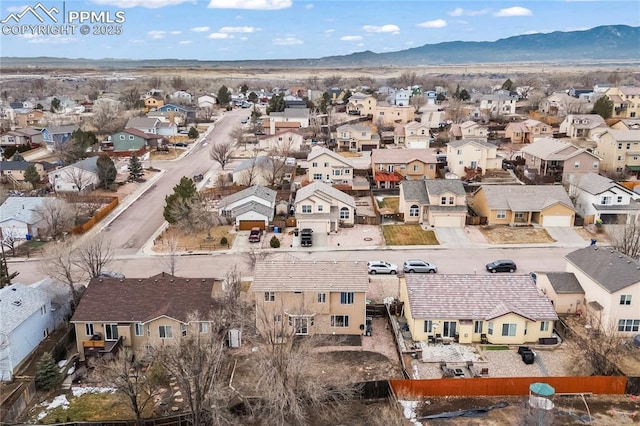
column 392, row 203
column 90, row 407
column 495, row 348
column 516, row 235
column 407, row 235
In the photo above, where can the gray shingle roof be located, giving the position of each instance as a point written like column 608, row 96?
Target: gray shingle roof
column 22, row 209
column 415, row 190
column 265, row 193
column 475, row 297
column 141, row 123
column 441, row 186
column 611, row 269
column 17, row 303
column 564, row 283
column 316, row 152
column 595, row 184
column 255, row 207
column 323, row 188
column 524, row 198
column 308, row 275
column 89, row 164
column 15, row 165
column 481, row 142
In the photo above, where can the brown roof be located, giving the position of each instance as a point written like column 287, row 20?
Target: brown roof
column 310, row 275
column 142, row 300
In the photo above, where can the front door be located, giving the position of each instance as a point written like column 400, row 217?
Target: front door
column 449, row 329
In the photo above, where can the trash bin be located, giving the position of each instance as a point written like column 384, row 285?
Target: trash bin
column 28, row 237
column 296, row 231
column 276, row 230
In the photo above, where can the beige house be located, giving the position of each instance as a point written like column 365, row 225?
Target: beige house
column 15, row 170
column 412, row 135
column 282, row 143
column 328, row 167
column 562, row 289
column 299, row 117
column 356, row 138
column 468, row 130
column 581, row 126
column 527, row 131
column 472, row 154
column 323, row 208
column 627, row 124
column 611, row 283
column 545, row 205
column 306, row 297
column 559, row 104
column 626, row 101
column 436, row 202
column 361, row 103
column 153, row 102
column 138, row 313
column 387, row 115
column 496, row 309
column 391, row 166
column 559, row 161
column 619, row 151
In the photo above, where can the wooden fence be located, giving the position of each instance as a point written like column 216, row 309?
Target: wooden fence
column 81, row 229
column 507, row 386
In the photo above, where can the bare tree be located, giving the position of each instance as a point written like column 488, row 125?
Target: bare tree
column 59, row 263
column 417, row 102
column 237, row 135
column 81, row 178
column 252, row 256
column 108, row 117
column 626, row 239
column 127, row 374
column 100, row 84
column 407, row 79
column 221, row 153
column 170, row 260
column 130, row 97
column 93, row 254
column 56, row 216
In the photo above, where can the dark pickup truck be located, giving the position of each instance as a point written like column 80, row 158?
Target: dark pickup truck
column 306, row 237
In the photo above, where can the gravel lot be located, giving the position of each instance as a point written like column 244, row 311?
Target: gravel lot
column 507, row 363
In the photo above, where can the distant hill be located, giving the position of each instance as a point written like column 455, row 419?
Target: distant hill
column 604, row 43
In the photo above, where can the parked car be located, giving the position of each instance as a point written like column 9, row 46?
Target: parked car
column 181, row 144
column 381, row 267
column 111, row 274
column 501, row 266
column 255, row 235
column 306, row 237
column 411, row 266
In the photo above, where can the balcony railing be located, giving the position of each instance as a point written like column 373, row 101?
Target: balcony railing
column 101, row 347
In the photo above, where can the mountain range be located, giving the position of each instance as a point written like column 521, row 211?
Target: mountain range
column 610, row 43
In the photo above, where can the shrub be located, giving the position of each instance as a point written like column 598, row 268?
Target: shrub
column 223, row 241
column 275, row 242
column 48, row 375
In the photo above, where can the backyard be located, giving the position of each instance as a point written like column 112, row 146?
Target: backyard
column 408, row 235
column 391, row 203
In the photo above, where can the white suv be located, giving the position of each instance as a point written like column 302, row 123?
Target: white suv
column 380, row 267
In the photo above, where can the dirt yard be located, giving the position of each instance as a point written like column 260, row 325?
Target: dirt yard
column 195, row 242
column 405, row 235
column 515, row 235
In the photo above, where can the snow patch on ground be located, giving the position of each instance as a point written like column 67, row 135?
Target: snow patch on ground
column 58, row 401
column 409, row 410
column 79, row 391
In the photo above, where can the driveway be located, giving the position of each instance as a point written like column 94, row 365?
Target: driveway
column 566, row 236
column 320, row 239
column 453, row 237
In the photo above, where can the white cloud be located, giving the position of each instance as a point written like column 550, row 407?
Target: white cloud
column 250, row 4
column 351, row 38
column 389, row 28
column 458, row 11
column 238, row 29
column 219, row 36
column 175, row 32
column 437, row 23
column 244, row 38
column 150, row 4
column 156, row 34
column 54, row 39
column 513, row 11
column 287, row 41
column 185, row 42
column 329, row 31
column 200, row 29
column 308, row 6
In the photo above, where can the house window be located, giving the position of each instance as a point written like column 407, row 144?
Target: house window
column 452, row 201
column 459, row 152
column 414, row 211
column 306, row 208
column 619, row 199
column 165, row 332
column 605, row 200
column 320, row 207
column 111, row 332
column 322, row 297
column 326, row 164
column 519, row 215
column 490, row 327
column 390, row 168
column 629, row 325
column 337, row 172
column 344, row 213
column 595, row 164
column 347, row 172
column 341, row 321
column 346, row 298
column 88, row 329
column 269, row 296
column 576, row 165
column 43, row 309
column 628, row 146
column 625, row 299
column 314, row 164
column 317, row 176
column 130, row 137
column 277, row 318
column 121, row 137
column 477, row 327
column 508, row 329
column 501, row 214
column 139, row 331
column 416, row 167
column 203, row 327
column 443, row 201
column 544, row 326
column 428, row 326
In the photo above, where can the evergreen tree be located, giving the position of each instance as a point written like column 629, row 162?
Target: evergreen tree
column 193, row 133
column 224, row 97
column 276, row 103
column 464, row 95
column 243, row 89
column 603, row 107
column 17, row 157
column 48, row 375
column 135, row 168
column 183, row 192
column 106, row 170
column 508, row 84
column 274, row 242
column 31, row 175
column 55, row 104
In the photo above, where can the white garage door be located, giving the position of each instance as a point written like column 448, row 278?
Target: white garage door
column 448, row 221
column 316, row 225
column 556, row 221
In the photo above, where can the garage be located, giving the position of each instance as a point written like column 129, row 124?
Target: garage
column 318, row 226
column 448, row 221
column 246, row 225
column 560, row 220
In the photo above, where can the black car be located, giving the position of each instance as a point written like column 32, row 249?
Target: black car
column 306, row 237
column 501, row 266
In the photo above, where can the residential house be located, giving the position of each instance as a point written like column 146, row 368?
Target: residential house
column 283, row 142
column 559, row 104
column 14, row 170
column 356, row 138
column 57, row 136
column 432, row 117
column 252, row 207
column 576, row 92
column 329, row 167
column 336, row 95
column 19, row 217
column 323, row 208
column 431, row 96
column 611, row 284
column 263, row 170
column 308, row 297
column 387, row 115
column 361, row 104
column 27, row 316
column 131, row 140
column 619, row 151
column 438, row 202
column 545, row 205
column 413, row 135
column 562, row 289
column 207, row 101
column 167, row 129
column 289, row 115
column 28, row 117
column 580, row 125
column 626, row 101
column 627, row 124
column 143, row 124
column 560, row 161
column 402, row 97
column 77, row 177
column 178, row 113
column 392, row 166
column 472, row 154
column 468, row 130
column 153, row 102
column 496, row 105
column 496, row 309
column 182, row 96
column 136, row 313
column 600, row 198
column 527, row 131
column 22, row 136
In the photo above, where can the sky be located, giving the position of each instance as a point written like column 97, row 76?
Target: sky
column 280, row 29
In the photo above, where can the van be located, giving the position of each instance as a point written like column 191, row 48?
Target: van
column 255, row 235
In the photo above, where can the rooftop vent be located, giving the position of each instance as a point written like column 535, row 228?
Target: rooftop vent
column 16, row 302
